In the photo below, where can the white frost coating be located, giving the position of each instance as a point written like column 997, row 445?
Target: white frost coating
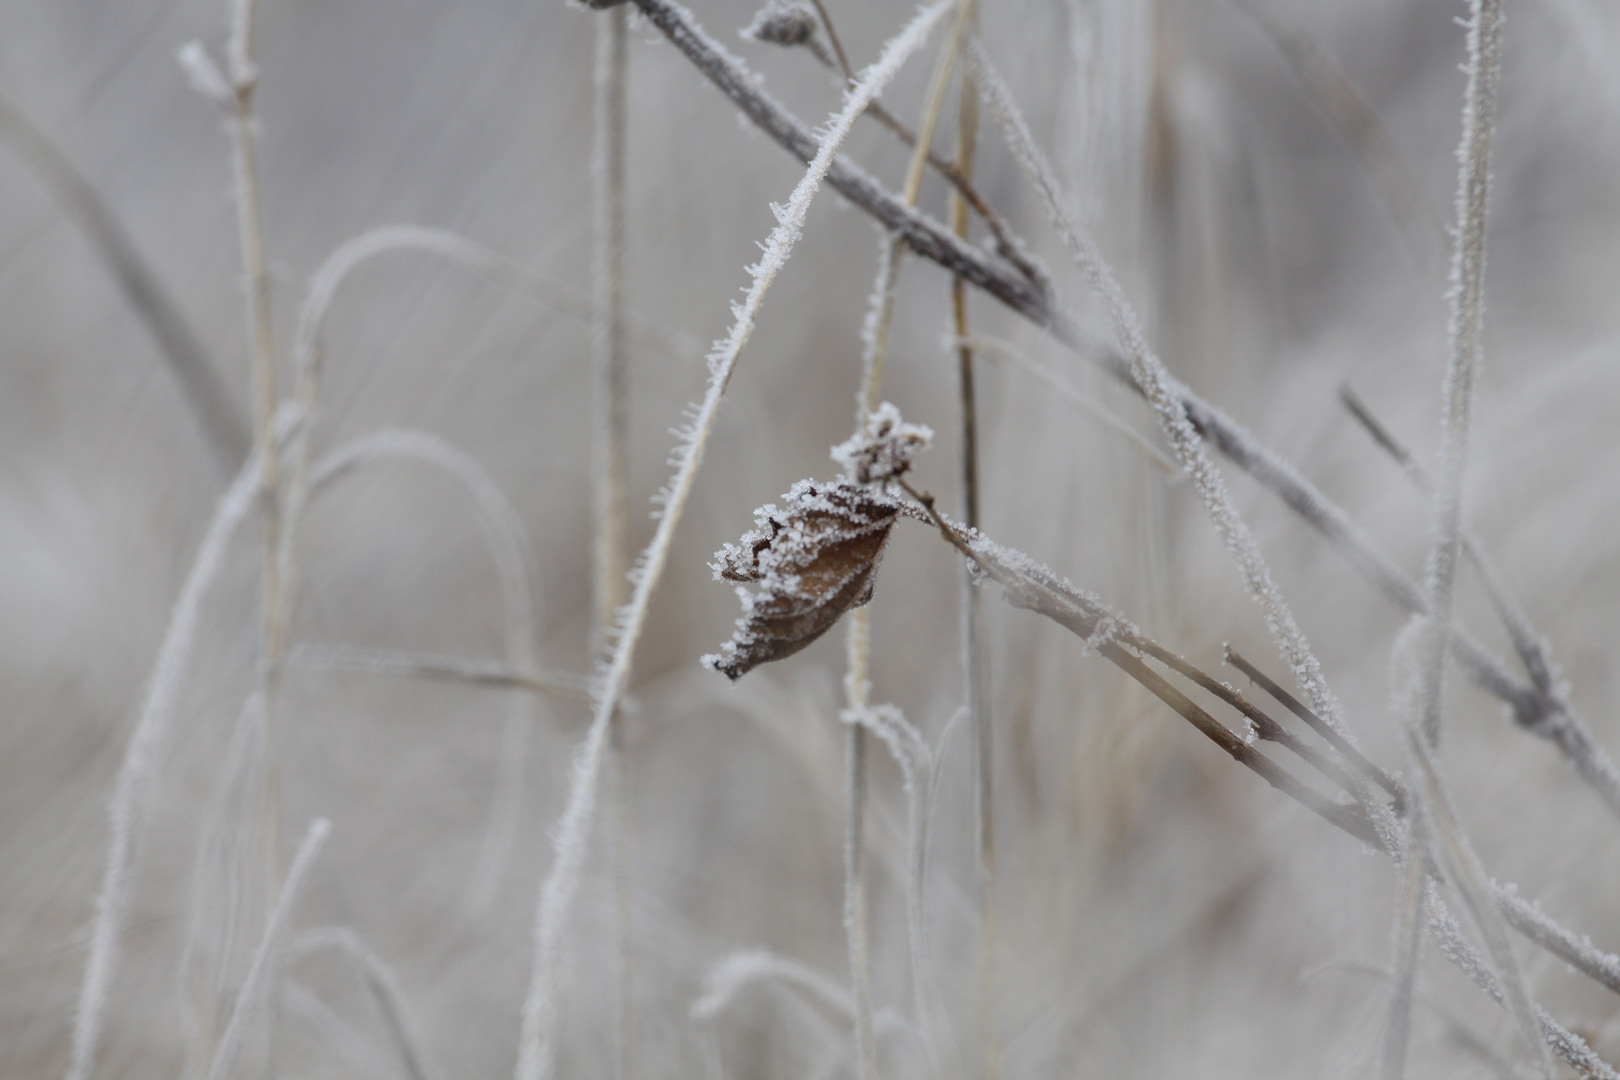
column 573, row 829
column 508, row 544
column 131, row 794
column 1160, row 391
column 247, row 998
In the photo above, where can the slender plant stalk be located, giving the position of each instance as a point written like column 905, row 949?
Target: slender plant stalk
column 562, row 880
column 974, row 660
column 133, row 790
column 880, row 319
column 244, row 81
column 1467, row 320
column 612, row 465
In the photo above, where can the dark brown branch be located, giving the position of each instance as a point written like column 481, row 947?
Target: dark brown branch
column 1288, row 701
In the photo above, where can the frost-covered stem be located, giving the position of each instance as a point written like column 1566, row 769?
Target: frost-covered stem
column 573, row 829
column 253, row 984
column 1467, row 317
column 611, row 459
column 132, row 792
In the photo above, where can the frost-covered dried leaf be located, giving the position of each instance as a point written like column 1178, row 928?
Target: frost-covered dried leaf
column 813, row 561
column 884, row 451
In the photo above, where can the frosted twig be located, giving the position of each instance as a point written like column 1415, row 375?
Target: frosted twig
column 384, row 988
column 193, row 369
column 562, row 881
column 132, row 791
column 988, row 346
column 507, row 542
column 253, row 985
column 922, row 234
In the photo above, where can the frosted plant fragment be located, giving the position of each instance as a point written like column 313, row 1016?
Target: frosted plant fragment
column 813, row 560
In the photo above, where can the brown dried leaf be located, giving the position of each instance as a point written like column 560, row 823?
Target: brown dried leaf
column 813, row 560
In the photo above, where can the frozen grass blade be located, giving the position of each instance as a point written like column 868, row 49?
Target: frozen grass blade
column 562, row 881
column 1467, row 322
column 132, row 792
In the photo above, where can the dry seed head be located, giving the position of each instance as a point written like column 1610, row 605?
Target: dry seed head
column 884, row 451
